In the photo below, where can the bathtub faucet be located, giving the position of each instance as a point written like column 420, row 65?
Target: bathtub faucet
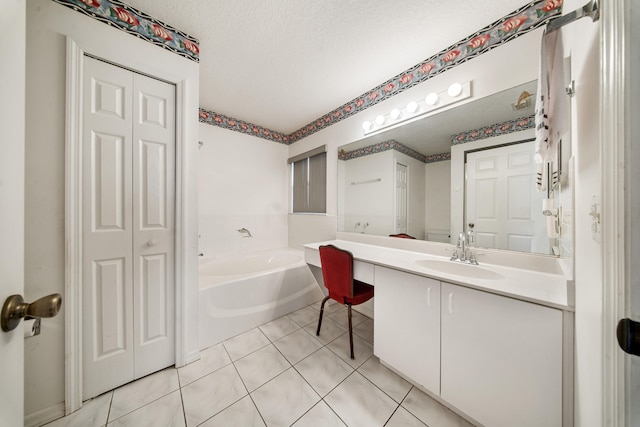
column 244, row 230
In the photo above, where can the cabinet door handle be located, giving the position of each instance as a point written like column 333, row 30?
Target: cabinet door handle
column 450, row 302
column 429, row 297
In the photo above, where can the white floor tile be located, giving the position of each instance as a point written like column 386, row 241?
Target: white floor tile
column 362, row 350
column 297, row 345
column 403, row 418
column 211, row 394
column 341, row 317
column 211, row 359
column 361, row 404
column 243, row 344
column 330, row 306
column 385, row 379
column 243, row 413
column 134, row 395
column 93, row 413
column 319, row 416
column 329, row 331
column 166, row 411
column 365, row 330
column 430, row 412
column 261, row 366
column 284, row 399
column 305, row 315
column 324, row 370
column 279, row 328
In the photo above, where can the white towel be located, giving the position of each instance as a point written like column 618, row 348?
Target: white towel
column 552, row 114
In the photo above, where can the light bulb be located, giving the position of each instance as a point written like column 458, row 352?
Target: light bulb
column 395, row 114
column 367, row 125
column 380, row 119
column 412, row 107
column 454, row 90
column 431, row 99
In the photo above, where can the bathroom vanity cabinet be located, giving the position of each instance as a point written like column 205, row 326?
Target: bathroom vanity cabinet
column 496, row 359
column 501, row 358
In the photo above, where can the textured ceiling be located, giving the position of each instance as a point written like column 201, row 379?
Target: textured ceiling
column 284, row 63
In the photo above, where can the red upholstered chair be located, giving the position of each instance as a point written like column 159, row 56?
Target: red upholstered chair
column 337, row 271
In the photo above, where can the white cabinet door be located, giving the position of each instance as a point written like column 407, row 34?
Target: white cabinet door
column 501, row 358
column 407, row 325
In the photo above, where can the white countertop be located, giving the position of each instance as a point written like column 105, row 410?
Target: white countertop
column 545, row 288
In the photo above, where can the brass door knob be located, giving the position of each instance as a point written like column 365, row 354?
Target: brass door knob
column 15, row 308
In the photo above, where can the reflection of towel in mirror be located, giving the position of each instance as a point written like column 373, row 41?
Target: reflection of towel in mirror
column 552, row 108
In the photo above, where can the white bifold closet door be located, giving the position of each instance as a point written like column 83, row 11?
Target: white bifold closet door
column 128, row 226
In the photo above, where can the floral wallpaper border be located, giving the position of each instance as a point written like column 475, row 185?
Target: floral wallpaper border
column 392, row 144
column 126, row 18
column 215, row 119
column 503, row 128
column 520, row 21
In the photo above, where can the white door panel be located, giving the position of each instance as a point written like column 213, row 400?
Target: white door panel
column 12, row 169
column 128, row 226
column 107, row 266
column 501, row 199
column 153, row 212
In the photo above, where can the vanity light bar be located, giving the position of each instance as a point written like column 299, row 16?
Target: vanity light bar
column 456, row 92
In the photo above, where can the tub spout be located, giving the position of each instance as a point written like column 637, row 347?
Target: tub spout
column 245, row 231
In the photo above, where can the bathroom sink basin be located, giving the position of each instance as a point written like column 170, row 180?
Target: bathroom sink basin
column 460, row 269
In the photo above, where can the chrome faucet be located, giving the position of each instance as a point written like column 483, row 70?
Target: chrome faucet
column 463, row 252
column 244, row 230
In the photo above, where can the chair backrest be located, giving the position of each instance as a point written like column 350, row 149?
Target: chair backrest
column 402, row 236
column 337, row 271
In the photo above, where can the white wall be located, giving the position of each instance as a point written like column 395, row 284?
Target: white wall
column 48, row 24
column 581, row 40
column 368, row 206
column 243, row 182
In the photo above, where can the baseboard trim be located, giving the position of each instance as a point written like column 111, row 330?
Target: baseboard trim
column 44, row 416
column 192, row 357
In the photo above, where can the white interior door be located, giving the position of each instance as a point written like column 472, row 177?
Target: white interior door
column 12, row 123
column 400, row 220
column 501, row 199
column 128, row 226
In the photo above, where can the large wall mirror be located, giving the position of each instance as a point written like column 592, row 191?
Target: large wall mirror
column 432, row 177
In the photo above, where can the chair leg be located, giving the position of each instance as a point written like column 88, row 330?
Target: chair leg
column 350, row 332
column 321, row 311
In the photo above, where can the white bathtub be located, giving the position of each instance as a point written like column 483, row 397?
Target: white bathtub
column 241, row 292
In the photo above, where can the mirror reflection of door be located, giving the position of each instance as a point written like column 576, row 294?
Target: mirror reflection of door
column 400, row 217
column 501, row 199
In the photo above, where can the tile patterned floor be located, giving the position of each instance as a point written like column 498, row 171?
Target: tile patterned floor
column 279, row 374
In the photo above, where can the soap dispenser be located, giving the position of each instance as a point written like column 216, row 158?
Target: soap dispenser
column 471, row 236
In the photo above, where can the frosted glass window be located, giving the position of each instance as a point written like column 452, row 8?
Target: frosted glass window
column 309, row 182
